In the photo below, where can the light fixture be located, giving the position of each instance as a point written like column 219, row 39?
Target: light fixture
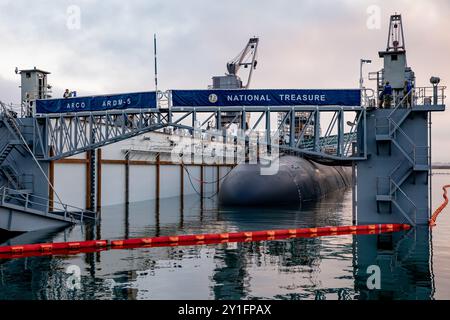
column 435, row 80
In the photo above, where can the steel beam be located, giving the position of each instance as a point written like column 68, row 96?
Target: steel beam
column 71, row 134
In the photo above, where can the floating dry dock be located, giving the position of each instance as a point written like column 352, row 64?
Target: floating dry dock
column 388, row 148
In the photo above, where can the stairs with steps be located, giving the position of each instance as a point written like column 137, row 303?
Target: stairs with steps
column 390, row 190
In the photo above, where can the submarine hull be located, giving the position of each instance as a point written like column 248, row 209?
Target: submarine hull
column 298, row 180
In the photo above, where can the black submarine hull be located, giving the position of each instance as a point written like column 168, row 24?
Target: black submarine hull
column 298, row 180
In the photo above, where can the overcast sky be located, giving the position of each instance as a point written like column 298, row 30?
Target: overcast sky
column 304, row 44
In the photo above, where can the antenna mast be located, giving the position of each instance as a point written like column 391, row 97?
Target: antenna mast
column 156, row 63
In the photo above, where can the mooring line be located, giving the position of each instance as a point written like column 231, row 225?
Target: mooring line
column 74, row 248
column 441, row 208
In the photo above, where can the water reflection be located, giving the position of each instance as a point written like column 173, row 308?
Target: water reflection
column 319, row 268
column 404, row 260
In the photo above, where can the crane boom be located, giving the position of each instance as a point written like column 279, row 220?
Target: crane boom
column 247, row 59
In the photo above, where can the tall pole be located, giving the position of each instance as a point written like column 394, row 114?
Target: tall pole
column 354, row 167
column 156, row 65
column 361, row 78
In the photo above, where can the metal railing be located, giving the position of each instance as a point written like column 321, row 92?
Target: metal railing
column 425, row 95
column 386, row 186
column 28, row 201
column 419, row 96
column 412, row 207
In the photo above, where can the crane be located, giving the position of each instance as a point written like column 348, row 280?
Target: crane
column 247, row 58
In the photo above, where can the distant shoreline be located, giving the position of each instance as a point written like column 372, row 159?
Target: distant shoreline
column 440, row 166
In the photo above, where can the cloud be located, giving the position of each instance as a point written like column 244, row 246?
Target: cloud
column 9, row 91
column 304, row 44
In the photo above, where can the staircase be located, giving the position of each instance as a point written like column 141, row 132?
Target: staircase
column 415, row 159
column 21, row 208
column 10, row 142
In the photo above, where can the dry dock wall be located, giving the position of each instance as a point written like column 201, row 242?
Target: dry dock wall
column 151, row 175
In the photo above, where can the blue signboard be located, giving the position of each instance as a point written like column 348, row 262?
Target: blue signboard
column 233, row 98
column 142, row 100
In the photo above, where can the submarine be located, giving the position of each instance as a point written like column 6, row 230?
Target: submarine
column 297, row 181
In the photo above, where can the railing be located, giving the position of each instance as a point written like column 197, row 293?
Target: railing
column 412, row 207
column 331, row 141
column 389, row 125
column 402, row 138
column 367, row 96
column 420, row 96
column 399, row 173
column 11, row 109
column 425, row 95
column 386, row 185
column 41, row 204
column 377, row 76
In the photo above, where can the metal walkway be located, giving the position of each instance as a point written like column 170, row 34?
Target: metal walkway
column 65, row 135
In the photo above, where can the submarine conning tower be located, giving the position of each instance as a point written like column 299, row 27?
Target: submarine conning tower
column 394, row 184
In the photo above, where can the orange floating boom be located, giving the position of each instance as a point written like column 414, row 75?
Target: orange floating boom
column 74, row 248
column 441, row 208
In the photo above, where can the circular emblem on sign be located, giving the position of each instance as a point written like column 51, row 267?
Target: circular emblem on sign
column 213, row 98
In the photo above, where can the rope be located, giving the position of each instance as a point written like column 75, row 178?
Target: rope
column 195, row 189
column 203, row 182
column 441, row 208
column 206, row 182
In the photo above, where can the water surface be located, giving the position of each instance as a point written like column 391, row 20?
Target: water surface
column 413, row 264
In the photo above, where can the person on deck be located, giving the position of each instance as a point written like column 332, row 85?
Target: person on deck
column 386, row 96
column 67, row 94
column 407, row 91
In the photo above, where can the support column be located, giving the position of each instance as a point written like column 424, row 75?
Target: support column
column 218, row 179
column 99, row 180
column 354, row 199
column 292, row 129
column 219, row 120
column 88, row 180
column 158, row 177
column 317, row 131
column 244, row 120
column 51, row 192
column 127, row 178
column 181, row 188
column 268, row 133
column 202, row 176
column 92, row 179
column 340, row 133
